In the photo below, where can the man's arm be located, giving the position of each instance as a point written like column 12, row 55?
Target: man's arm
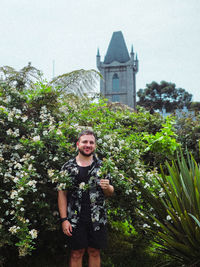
column 107, row 188
column 62, row 207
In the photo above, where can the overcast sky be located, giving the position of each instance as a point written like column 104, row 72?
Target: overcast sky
column 165, row 34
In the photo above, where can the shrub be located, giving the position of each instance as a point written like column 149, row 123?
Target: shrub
column 39, row 126
column 175, row 213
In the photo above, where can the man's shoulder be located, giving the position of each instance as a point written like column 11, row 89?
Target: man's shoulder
column 70, row 163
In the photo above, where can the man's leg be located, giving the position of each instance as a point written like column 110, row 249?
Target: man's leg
column 94, row 257
column 76, row 258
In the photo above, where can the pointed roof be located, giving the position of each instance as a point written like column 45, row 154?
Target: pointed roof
column 117, row 50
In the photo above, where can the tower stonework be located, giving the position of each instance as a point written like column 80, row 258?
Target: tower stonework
column 119, row 72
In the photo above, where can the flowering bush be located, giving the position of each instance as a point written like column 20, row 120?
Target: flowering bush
column 39, row 126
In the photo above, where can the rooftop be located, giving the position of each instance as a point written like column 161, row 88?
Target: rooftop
column 117, row 50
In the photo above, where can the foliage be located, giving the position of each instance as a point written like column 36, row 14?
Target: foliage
column 164, row 95
column 79, row 82
column 39, row 126
column 194, row 106
column 187, row 129
column 175, row 214
column 161, row 145
column 24, row 78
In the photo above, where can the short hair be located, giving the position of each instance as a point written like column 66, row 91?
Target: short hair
column 86, row 132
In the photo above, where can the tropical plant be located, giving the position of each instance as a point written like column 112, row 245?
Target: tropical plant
column 79, row 82
column 175, row 212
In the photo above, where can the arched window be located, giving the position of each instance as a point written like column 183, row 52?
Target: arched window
column 115, row 83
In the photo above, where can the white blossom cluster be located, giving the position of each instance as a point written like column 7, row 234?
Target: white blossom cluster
column 47, row 118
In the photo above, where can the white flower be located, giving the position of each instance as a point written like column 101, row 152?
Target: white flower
column 45, row 132
column 59, row 132
column 36, row 138
column 107, row 136
column 162, row 194
column 22, row 209
column 13, row 194
column 98, row 133
column 82, row 185
column 18, row 146
column 9, row 132
column 146, row 185
column 55, row 158
column 146, row 225
column 51, row 173
column 168, row 218
column 13, row 229
column 24, row 118
column 32, row 183
column 33, row 233
column 7, row 212
column 15, row 180
column 61, row 186
column 18, row 166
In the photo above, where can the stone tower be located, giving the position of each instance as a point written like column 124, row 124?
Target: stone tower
column 119, row 72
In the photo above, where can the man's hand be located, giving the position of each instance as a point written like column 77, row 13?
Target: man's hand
column 106, row 187
column 67, row 228
column 104, row 183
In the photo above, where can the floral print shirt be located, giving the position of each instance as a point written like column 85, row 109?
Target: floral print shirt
column 74, row 194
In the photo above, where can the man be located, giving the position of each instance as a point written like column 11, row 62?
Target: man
column 82, row 208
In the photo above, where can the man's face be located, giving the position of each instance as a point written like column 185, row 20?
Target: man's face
column 86, row 145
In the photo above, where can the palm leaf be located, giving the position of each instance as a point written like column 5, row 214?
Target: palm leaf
column 80, row 82
column 196, row 220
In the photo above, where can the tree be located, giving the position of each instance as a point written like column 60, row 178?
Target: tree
column 163, row 95
column 194, row 106
column 79, row 82
column 24, row 78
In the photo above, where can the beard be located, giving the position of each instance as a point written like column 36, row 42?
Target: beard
column 84, row 154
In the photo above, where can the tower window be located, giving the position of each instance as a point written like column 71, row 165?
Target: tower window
column 115, row 83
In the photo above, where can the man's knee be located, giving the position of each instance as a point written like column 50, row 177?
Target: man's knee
column 76, row 255
column 93, row 252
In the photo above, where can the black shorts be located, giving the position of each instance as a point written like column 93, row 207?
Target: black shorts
column 83, row 236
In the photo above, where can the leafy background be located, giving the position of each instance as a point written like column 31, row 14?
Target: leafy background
column 39, row 125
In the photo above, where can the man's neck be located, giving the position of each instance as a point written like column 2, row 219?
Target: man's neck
column 84, row 161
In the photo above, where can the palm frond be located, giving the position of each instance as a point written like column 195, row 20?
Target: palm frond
column 79, row 82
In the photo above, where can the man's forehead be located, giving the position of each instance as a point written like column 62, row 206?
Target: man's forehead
column 87, row 137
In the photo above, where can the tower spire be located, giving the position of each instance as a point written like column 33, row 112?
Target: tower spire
column 132, row 50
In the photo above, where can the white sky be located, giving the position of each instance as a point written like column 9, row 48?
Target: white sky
column 164, row 33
